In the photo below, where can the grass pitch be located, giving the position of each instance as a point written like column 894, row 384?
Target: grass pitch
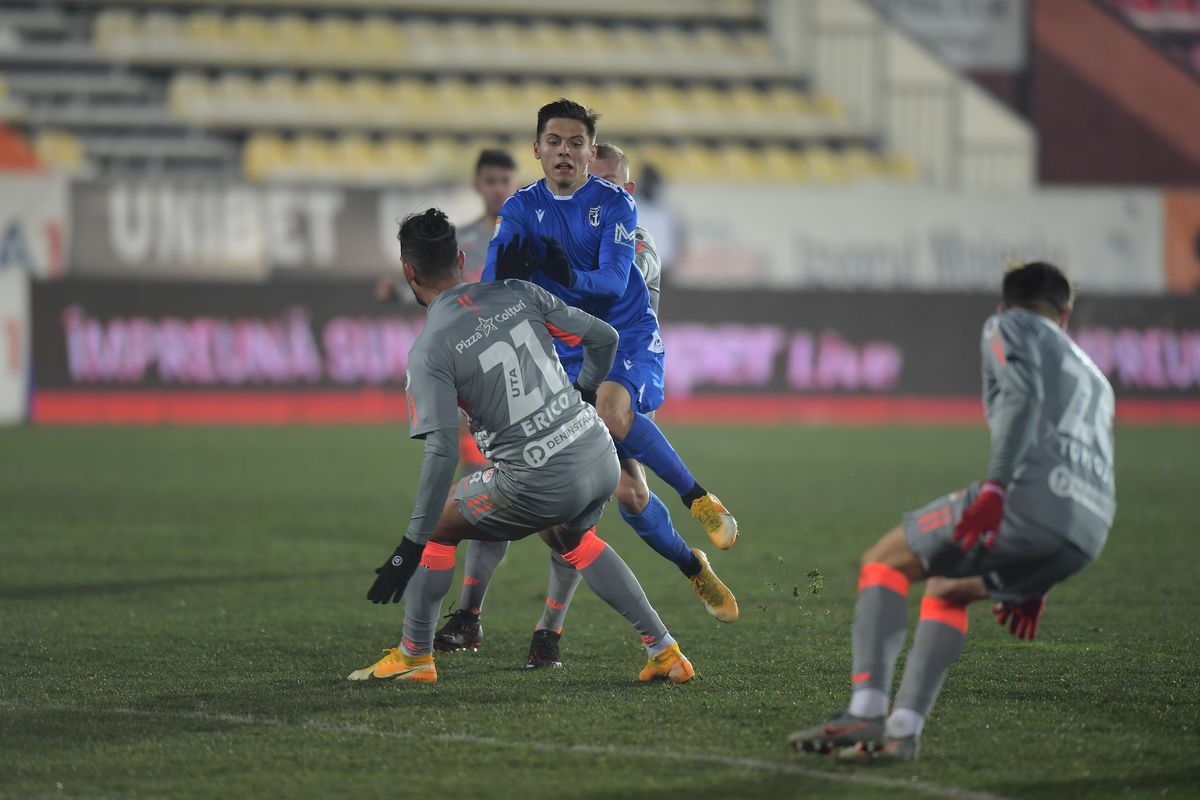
column 179, row 609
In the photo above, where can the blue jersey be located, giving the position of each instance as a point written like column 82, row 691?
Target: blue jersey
column 595, row 227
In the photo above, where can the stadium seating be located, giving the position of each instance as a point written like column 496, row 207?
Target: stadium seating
column 395, row 91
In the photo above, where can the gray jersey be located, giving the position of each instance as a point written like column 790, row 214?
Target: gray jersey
column 1050, row 411
column 647, row 261
column 473, row 239
column 488, row 350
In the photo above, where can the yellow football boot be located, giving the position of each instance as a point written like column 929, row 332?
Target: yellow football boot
column 670, row 665
column 398, row 666
column 718, row 523
column 715, row 595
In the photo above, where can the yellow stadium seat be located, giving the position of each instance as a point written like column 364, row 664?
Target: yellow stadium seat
column 160, row 35
column 381, row 39
column 251, row 38
column 324, row 96
column 292, row 40
column 356, row 157
column 313, row 157
column 206, row 30
column 235, row 96
column 828, row 106
column 60, row 150
column 335, row 41
column 187, row 96
column 115, row 32
column 756, row 46
column 741, row 163
column 783, row 164
column 399, row 159
column 823, row 166
column 860, row 162
column 367, row 100
column 263, row 155
column 902, row 166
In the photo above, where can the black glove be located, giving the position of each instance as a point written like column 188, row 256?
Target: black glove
column 396, row 572
column 554, row 264
column 589, row 397
column 512, row 260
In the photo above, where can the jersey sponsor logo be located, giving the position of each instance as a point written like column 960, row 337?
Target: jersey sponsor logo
column 1071, row 487
column 547, row 416
column 623, row 236
column 487, row 326
column 594, row 217
column 540, row 213
column 540, row 451
column 656, row 343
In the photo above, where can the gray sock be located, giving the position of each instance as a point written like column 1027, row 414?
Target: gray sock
column 880, row 623
column 564, row 580
column 939, row 641
column 422, row 606
column 610, row 578
column 482, row 560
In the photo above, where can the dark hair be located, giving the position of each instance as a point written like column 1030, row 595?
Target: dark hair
column 607, row 150
column 429, row 242
column 562, row 108
column 1037, row 286
column 494, row 158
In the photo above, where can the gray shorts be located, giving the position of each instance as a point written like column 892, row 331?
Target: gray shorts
column 514, row 503
column 1021, row 564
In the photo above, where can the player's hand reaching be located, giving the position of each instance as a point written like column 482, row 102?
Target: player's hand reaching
column 512, row 260
column 588, row 396
column 554, row 264
column 1022, row 618
column 395, row 573
column 981, row 518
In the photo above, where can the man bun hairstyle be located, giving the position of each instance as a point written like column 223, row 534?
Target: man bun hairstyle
column 429, row 241
column 1038, row 286
column 492, row 157
column 562, row 108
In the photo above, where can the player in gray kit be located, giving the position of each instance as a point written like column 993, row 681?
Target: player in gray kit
column 487, row 349
column 1042, row 514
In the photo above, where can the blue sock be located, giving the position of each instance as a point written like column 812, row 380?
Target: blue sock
column 654, row 526
column 646, row 443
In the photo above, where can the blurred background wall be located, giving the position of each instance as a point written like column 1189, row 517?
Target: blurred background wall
column 197, row 197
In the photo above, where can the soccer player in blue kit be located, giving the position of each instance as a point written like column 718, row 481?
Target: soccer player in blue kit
column 573, row 234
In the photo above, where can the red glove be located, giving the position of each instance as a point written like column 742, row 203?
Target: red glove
column 1022, row 618
column 981, row 517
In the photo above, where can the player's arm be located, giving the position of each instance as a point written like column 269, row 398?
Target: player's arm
column 433, row 412
column 648, row 263
column 617, row 243
column 1013, row 391
column 575, row 327
column 1016, row 407
column 510, row 227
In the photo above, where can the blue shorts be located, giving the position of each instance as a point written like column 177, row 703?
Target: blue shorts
column 639, row 367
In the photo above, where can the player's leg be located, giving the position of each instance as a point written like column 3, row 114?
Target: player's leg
column 638, row 374
column 413, row 659
column 1017, row 567
column 938, row 642
column 612, row 580
column 564, row 580
column 463, row 629
column 880, row 622
column 649, row 517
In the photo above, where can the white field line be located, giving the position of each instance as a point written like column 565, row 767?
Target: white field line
column 850, row 776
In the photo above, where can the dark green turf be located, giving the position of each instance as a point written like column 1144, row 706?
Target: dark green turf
column 179, row 609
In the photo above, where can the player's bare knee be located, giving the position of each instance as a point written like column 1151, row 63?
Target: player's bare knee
column 633, row 495
column 618, row 420
column 956, row 590
column 892, row 550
